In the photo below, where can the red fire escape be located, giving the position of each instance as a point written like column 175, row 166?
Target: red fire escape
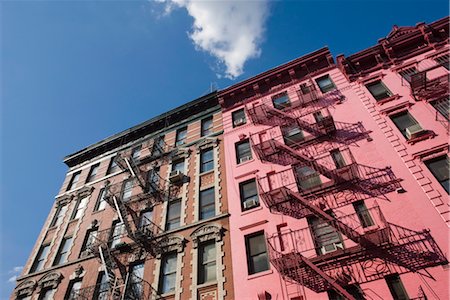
column 148, row 189
column 324, row 176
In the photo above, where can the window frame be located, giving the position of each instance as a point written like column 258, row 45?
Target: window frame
column 74, row 181
column 203, row 265
column 444, row 182
column 392, row 280
column 250, row 263
column 379, row 97
column 112, row 166
column 101, row 203
column 40, row 259
column 71, row 294
column 164, row 274
column 79, row 209
column 402, row 129
column 206, row 166
column 136, row 153
column 235, row 115
column 284, row 104
column 240, row 156
column 88, row 239
column 127, row 190
column 60, row 213
column 205, row 131
column 181, row 136
column 244, row 198
column 204, row 210
column 60, row 254
column 363, row 214
column 331, row 86
column 93, row 172
column 169, row 224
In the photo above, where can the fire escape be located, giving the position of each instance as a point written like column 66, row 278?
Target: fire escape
column 148, row 189
column 323, row 177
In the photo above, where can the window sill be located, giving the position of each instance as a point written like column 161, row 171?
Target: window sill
column 429, row 134
column 260, row 274
column 169, row 294
column 248, row 211
column 245, row 162
column 97, row 211
column 206, row 172
column 388, row 99
column 207, row 284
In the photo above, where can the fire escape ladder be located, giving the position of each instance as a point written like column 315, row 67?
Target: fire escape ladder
column 283, row 116
column 129, row 165
column 122, row 212
column 337, row 287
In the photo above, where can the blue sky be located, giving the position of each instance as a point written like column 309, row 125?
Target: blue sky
column 75, row 72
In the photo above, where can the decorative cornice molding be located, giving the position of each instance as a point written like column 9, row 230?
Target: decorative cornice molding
column 25, row 288
column 205, row 233
column 49, row 280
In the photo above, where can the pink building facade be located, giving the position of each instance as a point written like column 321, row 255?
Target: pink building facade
column 338, row 173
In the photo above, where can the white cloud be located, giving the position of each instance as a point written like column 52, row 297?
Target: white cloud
column 17, row 269
column 12, row 279
column 231, row 31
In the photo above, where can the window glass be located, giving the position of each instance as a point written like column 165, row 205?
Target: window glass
column 378, row 90
column 63, row 252
column 117, row 232
column 89, row 241
column 256, row 253
column 47, row 294
column 93, row 172
column 59, row 216
column 153, row 179
column 113, row 167
column 207, row 262
column 181, row 136
column 173, row 214
column 439, row 167
column 127, row 190
column 101, row 202
column 136, row 152
column 40, row 259
column 79, row 208
column 396, row 287
column 158, row 146
column 168, row 273
column 178, row 166
column 407, row 73
column 406, row 124
column 249, row 194
column 292, row 134
column 308, row 178
column 146, row 219
column 102, row 287
column 73, row 182
column 325, row 84
column 136, row 286
column 207, row 204
column 443, row 107
column 326, row 238
column 281, row 101
column 207, row 126
column 363, row 214
column 74, row 288
column 243, row 152
column 338, row 159
column 238, row 117
column 206, row 160
column 443, row 60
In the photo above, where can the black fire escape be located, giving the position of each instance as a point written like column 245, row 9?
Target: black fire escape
column 323, row 177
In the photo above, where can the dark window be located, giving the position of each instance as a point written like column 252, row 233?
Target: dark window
column 101, row 202
column 292, row 134
column 249, row 194
column 153, row 180
column 168, row 273
column 145, row 220
column 178, row 166
column 408, row 73
column 281, row 101
column 318, row 116
column 89, row 240
column 257, row 259
column 207, row 126
column 325, row 84
column 308, row 178
column 127, row 189
column 158, row 146
column 207, row 204
column 79, row 208
column 378, row 90
column 40, row 259
column 443, row 107
column 439, row 167
column 206, row 160
column 443, row 60
column 93, row 172
column 73, row 290
column 243, row 151
column 102, row 287
column 338, row 159
column 113, row 167
column 326, row 238
column 135, row 283
column 136, row 153
column 407, row 125
column 173, row 214
column 59, row 215
column 181, row 136
column 73, row 181
column 363, row 214
column 354, row 290
column 238, row 117
column 46, row 294
column 396, row 287
column 207, row 262
column 63, row 251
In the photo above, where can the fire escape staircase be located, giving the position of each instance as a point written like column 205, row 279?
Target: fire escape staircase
column 423, row 88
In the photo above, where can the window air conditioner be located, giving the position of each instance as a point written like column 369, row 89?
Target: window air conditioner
column 249, row 203
column 331, row 247
column 239, row 122
column 414, row 131
column 244, row 159
column 175, row 176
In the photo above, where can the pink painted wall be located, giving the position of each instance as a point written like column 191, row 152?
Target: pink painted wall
column 423, row 205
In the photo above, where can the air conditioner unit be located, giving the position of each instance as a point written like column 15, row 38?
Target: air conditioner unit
column 414, row 131
column 331, row 247
column 176, row 176
column 249, row 203
column 239, row 122
column 245, row 158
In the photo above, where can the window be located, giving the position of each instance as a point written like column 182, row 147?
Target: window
column 439, row 167
column 207, row 204
column 136, row 153
column 181, row 136
column 168, row 273
column 101, row 202
column 173, row 214
column 281, row 101
column 325, row 84
column 443, row 60
column 127, row 189
column 89, row 240
column 396, row 287
column 40, row 259
column 63, row 251
column 408, row 73
column 292, row 134
column 47, row 294
column 363, row 214
column 238, row 117
column 249, row 194
column 354, row 290
column 206, row 160
column 136, row 285
column 102, row 287
column 243, row 151
column 59, row 215
column 178, row 165
column 378, row 90
column 207, row 262
column 117, row 231
column 443, row 107
column 92, row 172
column 73, row 181
column 338, row 159
column 407, row 125
column 326, row 238
column 113, row 167
column 158, row 146
column 153, row 179
column 308, row 178
column 207, row 126
column 145, row 219
column 257, row 260
column 73, row 291
column 79, row 208
column 318, row 116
